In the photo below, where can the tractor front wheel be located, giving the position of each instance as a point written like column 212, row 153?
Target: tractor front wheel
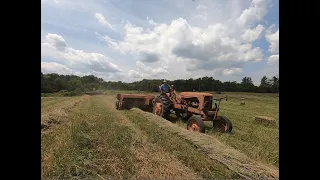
column 182, row 114
column 195, row 124
column 222, row 124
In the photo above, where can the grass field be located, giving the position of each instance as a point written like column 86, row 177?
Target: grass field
column 88, row 138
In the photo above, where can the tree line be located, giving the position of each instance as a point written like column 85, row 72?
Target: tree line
column 75, row 85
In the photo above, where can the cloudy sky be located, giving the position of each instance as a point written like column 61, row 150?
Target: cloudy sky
column 131, row 40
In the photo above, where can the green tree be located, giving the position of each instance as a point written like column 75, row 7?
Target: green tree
column 55, row 83
column 247, row 84
column 275, row 84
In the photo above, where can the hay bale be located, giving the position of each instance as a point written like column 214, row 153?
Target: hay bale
column 265, row 120
column 242, row 101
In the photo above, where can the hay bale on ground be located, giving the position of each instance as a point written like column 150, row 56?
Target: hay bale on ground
column 265, row 120
column 242, row 101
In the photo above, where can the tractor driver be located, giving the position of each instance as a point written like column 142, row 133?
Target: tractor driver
column 164, row 88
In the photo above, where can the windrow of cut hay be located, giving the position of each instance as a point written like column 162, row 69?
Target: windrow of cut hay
column 214, row 149
column 48, row 119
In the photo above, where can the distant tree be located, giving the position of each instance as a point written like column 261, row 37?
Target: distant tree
column 247, row 80
column 54, row 83
column 264, row 85
column 264, row 82
column 247, row 85
column 275, row 84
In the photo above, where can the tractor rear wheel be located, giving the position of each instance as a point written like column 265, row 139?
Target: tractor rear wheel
column 162, row 107
column 117, row 105
column 222, row 124
column 195, row 124
column 166, row 104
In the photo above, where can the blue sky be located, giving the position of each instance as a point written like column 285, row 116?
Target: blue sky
column 131, row 40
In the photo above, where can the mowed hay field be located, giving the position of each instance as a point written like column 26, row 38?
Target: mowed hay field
column 258, row 141
column 86, row 137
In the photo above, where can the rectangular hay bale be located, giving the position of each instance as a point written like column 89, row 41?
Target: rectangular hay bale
column 265, row 120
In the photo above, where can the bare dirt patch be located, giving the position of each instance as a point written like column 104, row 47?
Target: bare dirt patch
column 214, row 149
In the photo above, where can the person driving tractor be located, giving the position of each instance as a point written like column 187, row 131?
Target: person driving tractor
column 164, row 88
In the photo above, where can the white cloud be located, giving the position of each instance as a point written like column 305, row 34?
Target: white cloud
column 54, row 44
column 199, row 48
column 227, row 72
column 135, row 74
column 145, row 72
column 96, row 61
column 56, row 41
column 273, row 39
column 257, row 10
column 273, row 60
column 103, row 21
column 232, row 71
column 251, row 35
column 201, row 7
column 48, row 50
column 53, row 67
column 149, row 57
column 152, row 22
column 153, row 72
column 202, row 16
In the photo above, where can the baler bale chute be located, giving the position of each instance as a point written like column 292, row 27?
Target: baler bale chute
column 128, row 101
column 195, row 107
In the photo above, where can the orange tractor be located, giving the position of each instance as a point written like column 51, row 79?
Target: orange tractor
column 195, row 107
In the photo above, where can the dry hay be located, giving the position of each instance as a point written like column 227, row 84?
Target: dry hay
column 57, row 115
column 152, row 161
column 265, row 120
column 242, row 101
column 214, row 149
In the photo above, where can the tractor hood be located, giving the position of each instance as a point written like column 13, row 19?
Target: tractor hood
column 194, row 94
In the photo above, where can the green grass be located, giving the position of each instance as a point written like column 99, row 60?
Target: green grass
column 96, row 141
column 49, row 103
column 90, row 145
column 258, row 141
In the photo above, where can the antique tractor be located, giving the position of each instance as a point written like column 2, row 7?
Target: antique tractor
column 195, row 107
